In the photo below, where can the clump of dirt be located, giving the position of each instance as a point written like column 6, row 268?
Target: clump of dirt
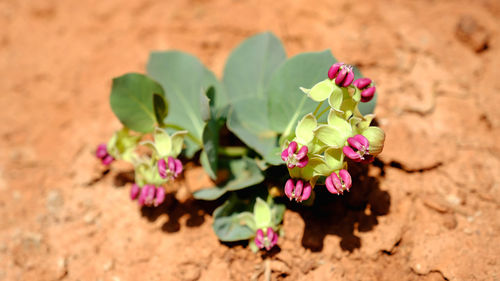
column 426, row 210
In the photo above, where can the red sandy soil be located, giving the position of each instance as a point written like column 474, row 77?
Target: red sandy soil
column 428, row 210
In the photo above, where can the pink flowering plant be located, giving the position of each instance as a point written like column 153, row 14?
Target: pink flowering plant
column 294, row 123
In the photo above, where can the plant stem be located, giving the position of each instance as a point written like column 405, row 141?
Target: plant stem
column 233, row 151
column 323, row 112
column 318, row 107
column 189, row 135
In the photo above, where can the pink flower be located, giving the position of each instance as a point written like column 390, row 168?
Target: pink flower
column 358, row 149
column 171, row 169
column 298, row 191
column 134, row 191
column 267, row 241
column 102, row 153
column 337, row 185
column 293, row 158
column 366, row 87
column 342, row 73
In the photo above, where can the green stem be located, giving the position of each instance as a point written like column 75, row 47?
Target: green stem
column 233, row 151
column 189, row 135
column 323, row 112
column 318, row 107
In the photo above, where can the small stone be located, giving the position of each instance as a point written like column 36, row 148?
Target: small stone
column 472, row 34
column 109, row 265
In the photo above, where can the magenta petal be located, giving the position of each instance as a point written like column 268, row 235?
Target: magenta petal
column 361, row 83
column 171, row 164
column 272, row 236
column 346, row 178
column 341, row 76
column 306, row 193
column 299, row 186
column 349, row 152
column 289, row 185
column 101, row 151
column 337, row 183
column 142, row 196
column 284, row 155
column 362, row 140
column 150, row 194
column 349, row 78
column 162, row 168
column 367, row 95
column 259, row 239
column 108, row 159
column 353, row 142
column 290, row 165
column 160, row 196
column 292, row 147
column 302, row 152
column 302, row 163
column 334, row 69
column 330, row 186
column 178, row 167
column 134, row 191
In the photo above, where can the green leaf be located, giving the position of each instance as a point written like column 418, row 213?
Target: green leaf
column 184, row 77
column 251, row 64
column 305, row 128
column 160, row 107
column 330, row 136
column 278, row 210
column 248, row 219
column 211, row 146
column 132, row 101
column 262, row 213
column 248, row 119
column 244, row 172
column 322, row 90
column 287, row 104
column 228, row 225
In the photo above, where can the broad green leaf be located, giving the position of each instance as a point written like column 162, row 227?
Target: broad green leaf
column 183, row 77
column 132, row 101
column 227, row 224
column 287, row 104
column 250, row 66
column 262, row 213
column 160, row 107
column 211, row 146
column 305, row 128
column 322, row 90
column 248, row 120
column 244, row 172
column 330, row 136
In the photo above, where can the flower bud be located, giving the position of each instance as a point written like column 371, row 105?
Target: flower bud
column 267, row 241
column 170, row 169
column 147, row 196
column 159, row 197
column 272, row 238
column 108, row 159
column 259, row 238
column 134, row 191
column 162, row 168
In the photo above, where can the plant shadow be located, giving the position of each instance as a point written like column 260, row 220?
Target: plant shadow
column 355, row 211
column 175, row 210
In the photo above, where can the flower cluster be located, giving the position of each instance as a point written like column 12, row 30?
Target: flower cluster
column 151, row 172
column 319, row 148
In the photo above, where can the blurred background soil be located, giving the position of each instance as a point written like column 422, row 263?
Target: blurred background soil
column 427, row 210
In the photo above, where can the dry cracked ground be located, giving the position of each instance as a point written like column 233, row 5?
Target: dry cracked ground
column 426, row 210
